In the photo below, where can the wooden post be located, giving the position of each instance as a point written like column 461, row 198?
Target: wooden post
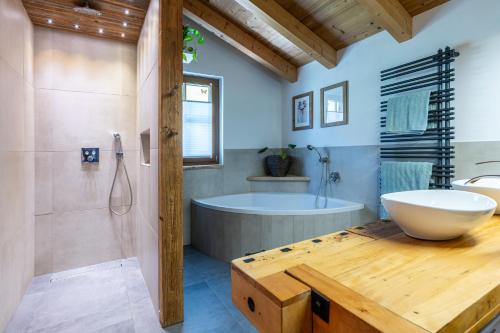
column 170, row 163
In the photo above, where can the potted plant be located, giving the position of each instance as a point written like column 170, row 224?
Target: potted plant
column 278, row 164
column 192, row 38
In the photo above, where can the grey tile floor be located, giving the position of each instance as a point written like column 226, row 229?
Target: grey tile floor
column 207, row 296
column 113, row 297
column 108, row 297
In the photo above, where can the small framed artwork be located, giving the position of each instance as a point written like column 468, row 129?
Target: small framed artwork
column 302, row 111
column 334, row 105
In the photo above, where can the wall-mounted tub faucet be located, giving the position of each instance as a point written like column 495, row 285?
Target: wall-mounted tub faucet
column 327, row 177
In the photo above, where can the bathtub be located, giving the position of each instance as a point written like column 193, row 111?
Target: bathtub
column 231, row 226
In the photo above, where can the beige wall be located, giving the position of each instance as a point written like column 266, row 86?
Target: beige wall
column 84, row 91
column 147, row 180
column 17, row 156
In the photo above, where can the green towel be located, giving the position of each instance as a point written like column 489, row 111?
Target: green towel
column 407, row 114
column 403, row 176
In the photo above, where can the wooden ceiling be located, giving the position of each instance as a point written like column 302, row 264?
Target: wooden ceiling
column 280, row 34
column 111, row 21
column 296, row 32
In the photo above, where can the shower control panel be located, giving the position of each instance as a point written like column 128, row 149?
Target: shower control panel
column 90, row 155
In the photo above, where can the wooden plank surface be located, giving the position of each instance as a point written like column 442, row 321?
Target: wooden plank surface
column 212, row 20
column 170, row 236
column 277, row 303
column 351, row 312
column 449, row 286
column 278, row 18
column 439, row 286
column 392, row 16
column 278, row 260
column 63, row 17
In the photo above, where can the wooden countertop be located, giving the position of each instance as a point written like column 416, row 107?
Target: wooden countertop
column 449, row 286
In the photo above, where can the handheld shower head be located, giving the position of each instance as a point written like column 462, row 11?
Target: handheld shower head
column 118, row 145
column 321, row 158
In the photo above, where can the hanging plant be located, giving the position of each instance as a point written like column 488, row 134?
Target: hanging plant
column 192, row 38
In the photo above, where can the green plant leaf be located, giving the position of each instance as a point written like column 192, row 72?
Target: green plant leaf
column 201, row 40
column 283, row 155
column 195, row 55
column 263, row 150
column 190, row 49
column 291, row 146
column 184, row 57
column 188, row 38
column 196, row 32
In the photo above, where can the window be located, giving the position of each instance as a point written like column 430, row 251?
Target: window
column 200, row 120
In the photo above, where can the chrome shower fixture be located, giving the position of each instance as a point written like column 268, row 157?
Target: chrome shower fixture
column 120, row 160
column 322, row 159
column 87, row 9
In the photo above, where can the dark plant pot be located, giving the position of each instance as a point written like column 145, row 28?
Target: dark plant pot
column 276, row 166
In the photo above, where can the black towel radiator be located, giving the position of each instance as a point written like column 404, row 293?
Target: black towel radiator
column 434, row 145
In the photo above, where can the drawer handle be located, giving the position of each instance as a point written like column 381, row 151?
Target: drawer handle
column 251, row 304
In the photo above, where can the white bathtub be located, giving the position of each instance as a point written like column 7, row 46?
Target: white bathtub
column 231, row 226
column 276, row 204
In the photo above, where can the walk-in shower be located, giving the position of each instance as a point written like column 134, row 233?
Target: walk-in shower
column 120, row 160
column 326, row 178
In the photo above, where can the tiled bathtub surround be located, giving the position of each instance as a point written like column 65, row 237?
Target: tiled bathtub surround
column 17, row 155
column 229, row 178
column 85, row 91
column 227, row 236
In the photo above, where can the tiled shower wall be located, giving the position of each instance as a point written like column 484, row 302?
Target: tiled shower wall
column 84, row 91
column 146, row 228
column 17, row 156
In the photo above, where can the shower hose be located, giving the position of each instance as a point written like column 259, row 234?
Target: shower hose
column 120, row 159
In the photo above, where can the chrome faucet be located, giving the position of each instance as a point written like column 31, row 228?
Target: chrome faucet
column 475, row 179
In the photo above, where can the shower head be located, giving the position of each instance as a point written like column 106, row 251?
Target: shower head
column 118, row 145
column 321, row 158
column 86, row 9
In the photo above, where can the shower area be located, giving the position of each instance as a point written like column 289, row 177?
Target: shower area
column 95, row 187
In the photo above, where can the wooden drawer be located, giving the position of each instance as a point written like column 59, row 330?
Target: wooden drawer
column 274, row 304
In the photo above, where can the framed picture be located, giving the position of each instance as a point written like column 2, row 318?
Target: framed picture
column 302, row 111
column 334, row 105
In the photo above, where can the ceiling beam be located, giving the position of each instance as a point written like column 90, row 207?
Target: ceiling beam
column 208, row 17
column 392, row 16
column 291, row 28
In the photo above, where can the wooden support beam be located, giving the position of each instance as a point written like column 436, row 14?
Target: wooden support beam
column 290, row 27
column 170, row 235
column 212, row 20
column 391, row 16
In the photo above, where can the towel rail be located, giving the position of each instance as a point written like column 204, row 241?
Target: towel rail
column 433, row 72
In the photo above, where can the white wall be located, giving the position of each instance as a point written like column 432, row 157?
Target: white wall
column 471, row 27
column 251, row 94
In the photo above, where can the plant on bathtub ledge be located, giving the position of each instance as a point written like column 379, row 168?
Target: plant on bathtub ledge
column 278, row 164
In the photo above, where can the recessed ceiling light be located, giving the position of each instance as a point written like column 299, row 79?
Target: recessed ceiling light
column 125, row 24
column 50, row 21
column 127, row 11
column 77, row 26
column 101, row 30
column 123, row 35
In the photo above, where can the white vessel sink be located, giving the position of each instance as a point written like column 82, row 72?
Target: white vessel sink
column 487, row 186
column 438, row 214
